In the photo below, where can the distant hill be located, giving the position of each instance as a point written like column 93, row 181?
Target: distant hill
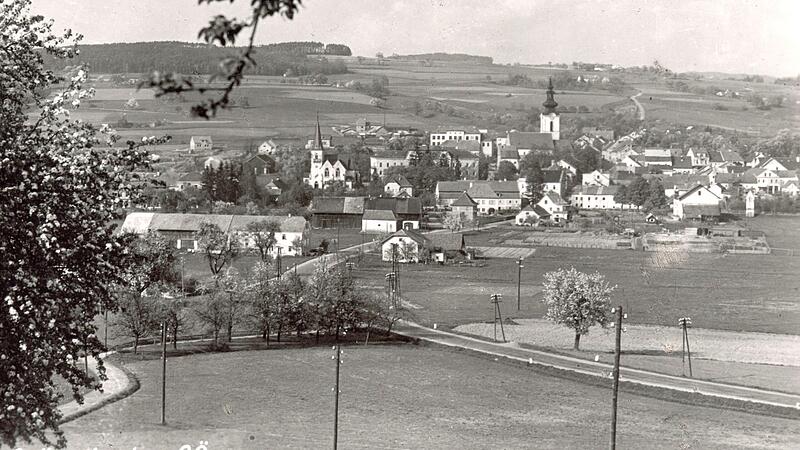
column 188, row 58
column 449, row 57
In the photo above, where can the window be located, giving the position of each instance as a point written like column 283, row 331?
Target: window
column 551, row 126
column 283, row 237
column 327, row 173
column 337, row 173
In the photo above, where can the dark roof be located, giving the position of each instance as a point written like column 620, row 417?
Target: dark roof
column 262, row 157
column 445, row 241
column 191, row 176
column 531, row 140
column 410, row 205
column 399, row 179
column 379, row 214
column 338, row 205
column 789, row 163
column 540, row 212
column 552, row 176
column 598, row 190
column 225, row 222
column 464, row 200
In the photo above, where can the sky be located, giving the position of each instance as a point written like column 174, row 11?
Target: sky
column 733, row 36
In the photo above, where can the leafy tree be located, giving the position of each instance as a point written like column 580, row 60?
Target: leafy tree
column 453, row 221
column 213, row 312
column 263, row 234
column 483, row 167
column 621, row 196
column 217, row 247
column 60, row 188
column 576, row 300
column 506, row 171
column 262, row 309
column 175, row 316
column 234, row 299
column 138, row 316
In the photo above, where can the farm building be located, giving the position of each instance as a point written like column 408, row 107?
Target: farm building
column 292, row 237
column 597, row 197
column 379, row 221
column 465, row 207
column 491, row 196
column 558, row 209
column 259, row 164
column 332, row 212
column 411, row 246
column 397, row 184
column 697, row 203
column 531, row 214
column 187, row 180
column 407, row 212
column 200, row 144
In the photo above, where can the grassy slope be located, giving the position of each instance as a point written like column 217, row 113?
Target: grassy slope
column 399, row 397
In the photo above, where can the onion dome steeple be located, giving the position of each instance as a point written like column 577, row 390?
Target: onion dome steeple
column 550, row 104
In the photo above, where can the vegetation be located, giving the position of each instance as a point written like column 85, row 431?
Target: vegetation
column 645, row 194
column 576, row 300
column 61, row 185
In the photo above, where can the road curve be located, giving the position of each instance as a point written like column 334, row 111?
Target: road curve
column 603, row 370
column 638, row 105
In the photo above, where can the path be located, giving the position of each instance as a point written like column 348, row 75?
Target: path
column 603, row 370
column 638, row 105
column 116, row 383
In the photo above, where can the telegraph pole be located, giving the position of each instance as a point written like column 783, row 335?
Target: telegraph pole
column 519, row 280
column 686, row 322
column 496, row 299
column 163, row 372
column 279, row 263
column 338, row 359
column 617, row 350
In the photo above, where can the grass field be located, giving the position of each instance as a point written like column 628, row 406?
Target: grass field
column 398, row 397
column 727, row 292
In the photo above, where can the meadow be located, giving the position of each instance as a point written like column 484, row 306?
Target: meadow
column 398, row 396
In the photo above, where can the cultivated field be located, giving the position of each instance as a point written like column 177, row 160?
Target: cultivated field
column 398, row 397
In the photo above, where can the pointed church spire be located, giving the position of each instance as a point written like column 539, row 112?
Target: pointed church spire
column 318, row 136
column 550, row 104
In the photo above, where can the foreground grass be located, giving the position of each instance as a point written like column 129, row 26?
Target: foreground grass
column 402, row 396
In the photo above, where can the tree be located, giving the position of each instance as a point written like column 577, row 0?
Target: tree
column 261, row 300
column 138, row 316
column 174, row 314
column 60, row 189
column 235, row 288
column 263, row 234
column 621, row 196
column 213, row 312
column 453, row 221
column 505, row 171
column 218, row 248
column 576, row 300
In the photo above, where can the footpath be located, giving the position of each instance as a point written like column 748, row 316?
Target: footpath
column 689, row 389
column 117, row 386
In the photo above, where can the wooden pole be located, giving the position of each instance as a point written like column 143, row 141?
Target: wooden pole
column 688, row 350
column 615, row 388
column 519, row 281
column 336, row 400
column 683, row 347
column 500, row 317
column 163, row 372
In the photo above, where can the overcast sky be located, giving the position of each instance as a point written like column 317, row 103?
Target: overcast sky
column 743, row 36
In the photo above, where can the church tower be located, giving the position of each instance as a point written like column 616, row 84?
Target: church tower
column 316, row 157
column 549, row 119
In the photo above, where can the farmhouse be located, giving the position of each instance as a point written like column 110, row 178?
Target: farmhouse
column 187, row 180
column 268, row 147
column 396, row 185
column 531, row 214
column 410, row 246
column 332, row 212
column 407, row 211
column 292, row 237
column 596, row 178
column 200, row 144
column 259, row 164
column 555, row 206
column 697, row 203
column 597, row 197
column 465, row 207
column 379, row 220
column 491, row 196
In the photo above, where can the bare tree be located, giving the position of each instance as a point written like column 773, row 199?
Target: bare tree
column 213, row 313
column 138, row 317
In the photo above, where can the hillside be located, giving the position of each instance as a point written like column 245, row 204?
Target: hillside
column 187, row 58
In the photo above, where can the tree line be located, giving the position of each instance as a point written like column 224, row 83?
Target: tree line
column 195, row 59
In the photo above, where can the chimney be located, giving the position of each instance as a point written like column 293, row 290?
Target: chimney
column 470, row 184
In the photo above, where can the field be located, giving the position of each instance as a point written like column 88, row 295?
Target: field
column 398, row 397
column 727, row 292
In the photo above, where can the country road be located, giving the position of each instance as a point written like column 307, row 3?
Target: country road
column 638, row 105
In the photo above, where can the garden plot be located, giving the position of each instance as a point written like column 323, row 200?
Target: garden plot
column 505, row 252
column 751, row 348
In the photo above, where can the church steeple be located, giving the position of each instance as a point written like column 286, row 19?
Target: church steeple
column 550, row 104
column 318, row 136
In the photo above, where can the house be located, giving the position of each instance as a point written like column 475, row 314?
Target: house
column 407, row 211
column 605, row 133
column 597, row 197
column 411, row 246
column 443, row 134
column 698, row 157
column 656, row 157
column 333, row 212
column 465, row 207
column 200, row 144
column 396, row 185
column 555, row 206
column 381, row 162
column 554, row 181
column 187, row 180
column 491, row 196
column 791, row 188
column 698, row 203
column 531, row 214
column 292, row 236
column 596, row 178
column 510, row 154
column 268, row 147
column 566, row 165
column 260, row 164
column 651, row 218
column 272, row 184
column 379, row 221
column 682, row 165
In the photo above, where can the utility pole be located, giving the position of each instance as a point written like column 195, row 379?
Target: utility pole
column 337, row 236
column 163, row 372
column 338, row 359
column 496, row 299
column 519, row 280
column 391, row 293
column 105, row 327
column 685, row 322
column 279, row 263
column 617, row 350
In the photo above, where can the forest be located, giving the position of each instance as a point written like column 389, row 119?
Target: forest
column 197, row 59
